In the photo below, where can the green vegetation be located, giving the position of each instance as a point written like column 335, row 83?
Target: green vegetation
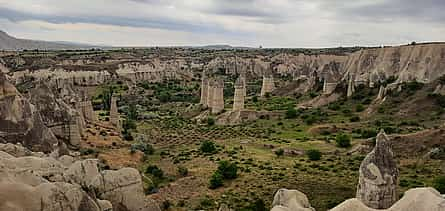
column 313, row 154
column 155, row 171
column 225, row 171
column 291, row 113
column 439, row 184
column 208, row 147
column 343, row 140
column 216, row 180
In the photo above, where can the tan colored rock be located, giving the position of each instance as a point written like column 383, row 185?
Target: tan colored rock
column 123, row 188
column 268, row 85
column 417, row 199
column 218, row 96
column 239, row 95
column 351, row 87
column 20, row 122
column 82, row 172
column 46, row 196
column 224, row 207
column 204, row 90
column 114, row 114
column 378, row 179
column 291, row 200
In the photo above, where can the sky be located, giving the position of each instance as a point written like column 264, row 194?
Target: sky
column 269, row 23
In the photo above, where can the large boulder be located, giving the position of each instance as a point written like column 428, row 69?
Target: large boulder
column 64, row 121
column 417, row 199
column 45, row 183
column 291, row 200
column 46, row 196
column 377, row 185
column 20, row 122
column 123, row 188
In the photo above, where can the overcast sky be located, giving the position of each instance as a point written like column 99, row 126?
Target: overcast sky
column 271, row 23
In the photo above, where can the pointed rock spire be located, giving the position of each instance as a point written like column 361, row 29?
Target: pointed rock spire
column 377, row 185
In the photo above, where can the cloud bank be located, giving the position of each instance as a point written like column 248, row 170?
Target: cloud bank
column 271, row 23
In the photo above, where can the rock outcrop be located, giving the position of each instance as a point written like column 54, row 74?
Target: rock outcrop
column 217, row 98
column 239, row 95
column 114, row 113
column 204, row 90
column 21, row 122
column 421, row 62
column 268, row 85
column 417, row 199
column 45, row 183
column 291, row 200
column 378, row 180
column 64, row 121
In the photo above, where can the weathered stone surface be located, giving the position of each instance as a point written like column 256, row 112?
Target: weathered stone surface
column 224, row 207
column 114, row 114
column 46, row 196
column 204, row 90
column 417, row 199
column 290, row 200
column 123, row 188
column 239, row 95
column 218, row 96
column 82, row 172
column 20, row 122
column 268, row 85
column 52, row 184
column 377, row 186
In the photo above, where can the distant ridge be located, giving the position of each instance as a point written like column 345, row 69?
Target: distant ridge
column 8, row 42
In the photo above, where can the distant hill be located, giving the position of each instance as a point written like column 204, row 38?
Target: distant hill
column 8, row 42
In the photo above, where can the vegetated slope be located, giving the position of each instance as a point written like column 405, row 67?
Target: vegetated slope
column 8, row 42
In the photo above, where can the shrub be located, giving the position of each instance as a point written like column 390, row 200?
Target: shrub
column 210, row 121
column 255, row 99
column 183, row 171
column 343, row 140
column 216, row 180
column 368, row 133
column 257, row 205
column 354, row 119
column 439, row 184
column 279, row 152
column 155, row 171
column 291, row 113
column 208, row 147
column 334, row 106
column 313, row 154
column 147, row 149
column 227, row 169
column 359, row 108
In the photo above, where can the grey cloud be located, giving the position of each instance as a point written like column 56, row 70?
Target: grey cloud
column 381, row 11
column 158, row 23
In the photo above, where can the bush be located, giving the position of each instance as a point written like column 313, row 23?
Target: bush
column 279, row 152
column 227, row 169
column 313, row 154
column 368, row 133
column 343, row 140
column 210, row 121
column 183, row 171
column 216, row 180
column 147, row 149
column 208, row 147
column 439, row 184
column 155, row 171
column 255, row 99
column 257, row 205
column 359, row 108
column 354, row 119
column 291, row 113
